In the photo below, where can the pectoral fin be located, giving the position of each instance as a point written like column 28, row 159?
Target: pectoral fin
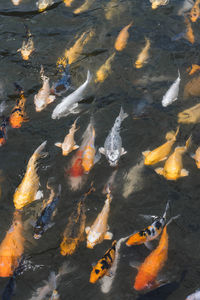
column 149, row 245
column 102, row 150
column 135, row 264
column 159, row 171
column 87, row 229
column 58, row 145
column 145, row 153
column 75, row 147
column 108, row 235
column 97, row 157
column 184, row 173
column 38, row 195
column 50, row 99
column 163, row 158
column 123, row 151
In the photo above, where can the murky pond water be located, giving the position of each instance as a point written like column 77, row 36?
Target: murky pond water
column 137, row 189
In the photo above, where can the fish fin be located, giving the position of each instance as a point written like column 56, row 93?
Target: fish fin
column 188, row 142
column 148, row 217
column 38, row 195
column 73, row 109
column 184, row 173
column 32, row 223
column 39, row 152
column 108, row 236
column 58, row 145
column 50, row 99
column 159, row 171
column 135, row 264
column 145, row 153
column 54, row 213
column 97, row 157
column 49, row 225
column 102, row 150
column 163, row 158
column 123, row 151
column 75, row 147
column 149, row 245
column 192, row 155
column 87, row 229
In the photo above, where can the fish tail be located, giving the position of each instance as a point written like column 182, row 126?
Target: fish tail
column 52, row 281
column 130, row 24
column 89, row 77
column 122, row 114
column 188, row 142
column 171, row 135
column 172, row 219
column 166, row 209
column 65, row 269
column 109, row 195
column 38, row 152
column 18, row 88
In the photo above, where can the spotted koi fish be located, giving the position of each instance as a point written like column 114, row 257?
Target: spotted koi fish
column 150, row 233
column 104, row 264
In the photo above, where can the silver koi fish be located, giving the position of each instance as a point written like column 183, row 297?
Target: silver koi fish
column 172, row 93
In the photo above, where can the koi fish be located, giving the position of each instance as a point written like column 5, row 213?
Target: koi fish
column 190, row 115
column 104, row 264
column 84, row 7
column 63, row 84
column 144, row 55
column 146, row 278
column 150, row 233
column 156, row 3
column 16, row 2
column 3, row 131
column 74, row 232
column 27, row 46
column 193, row 69
column 194, row 296
column 18, row 115
column 186, row 5
column 43, row 4
column 110, row 183
column 68, row 2
column 113, row 144
column 122, row 38
column 12, row 247
column 196, row 157
column 98, row 231
column 43, row 97
column 172, row 93
column 189, row 35
column 195, row 11
column 69, row 103
column 26, row 192
column 173, row 168
column 75, row 172
column 192, row 88
column 161, row 153
column 104, row 71
column 43, row 222
column 69, row 144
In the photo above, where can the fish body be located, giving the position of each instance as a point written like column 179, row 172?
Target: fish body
column 172, row 93
column 43, row 4
column 189, row 34
column 156, row 3
column 196, row 157
column 12, row 247
column 104, row 264
column 160, row 153
column 193, row 69
column 89, row 149
column 153, row 264
column 173, row 168
column 43, row 97
column 104, row 71
column 190, row 115
column 18, row 114
column 27, row 190
column 143, row 56
column 69, row 144
column 71, row 101
column 63, row 84
column 75, row 172
column 27, row 47
column 194, row 296
column 113, row 144
column 195, row 11
column 3, row 131
column 84, row 7
column 122, row 38
column 98, row 231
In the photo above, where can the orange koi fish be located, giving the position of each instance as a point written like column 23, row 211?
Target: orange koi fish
column 68, row 2
column 193, row 69
column 18, row 114
column 74, row 232
column 104, row 264
column 122, row 38
column 189, row 35
column 26, row 192
column 150, row 233
column 160, row 153
column 3, row 130
column 27, row 46
column 148, row 271
column 173, row 168
column 195, row 11
column 196, row 157
column 143, row 56
column 105, row 70
column 84, row 7
column 12, row 247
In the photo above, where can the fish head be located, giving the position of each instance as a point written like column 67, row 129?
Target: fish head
column 138, row 64
column 95, row 274
column 55, row 295
column 143, row 281
column 87, row 165
column 113, row 157
column 38, row 232
column 93, row 238
column 68, row 246
column 25, row 53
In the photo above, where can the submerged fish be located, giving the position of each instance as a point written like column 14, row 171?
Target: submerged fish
column 190, row 115
column 69, row 103
column 194, row 296
column 173, row 168
column 68, row 2
column 196, row 157
column 43, row 97
column 76, row 172
column 3, row 131
column 16, row 2
column 63, row 84
column 98, row 231
column 189, row 34
column 18, row 114
column 104, row 264
column 84, row 7
column 185, row 6
column 143, row 55
column 195, row 11
column 193, row 69
column 69, row 144
column 156, row 3
column 122, row 38
column 74, row 231
column 104, row 71
column 172, row 93
column 27, row 190
column 150, row 233
column 43, row 4
column 27, row 47
column 192, row 88
column 113, row 144
column 161, row 153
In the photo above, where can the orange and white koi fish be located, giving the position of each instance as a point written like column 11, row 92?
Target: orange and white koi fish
column 27, row 47
column 69, row 144
column 12, row 247
column 105, row 70
column 104, row 264
column 149, row 233
column 143, row 55
column 122, row 38
column 196, row 157
column 18, row 115
column 160, row 153
column 98, row 231
column 75, row 172
column 26, row 192
column 74, row 232
column 195, row 11
column 43, row 97
column 68, row 2
column 189, row 34
column 43, row 4
column 173, row 168
column 193, row 69
column 84, row 7
column 156, row 3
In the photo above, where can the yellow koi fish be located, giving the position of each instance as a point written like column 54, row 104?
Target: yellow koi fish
column 196, row 157
column 98, row 231
column 122, row 38
column 161, row 153
column 173, row 168
column 69, row 144
column 27, row 190
column 84, row 7
column 104, row 71
column 27, row 47
column 144, row 55
column 156, row 3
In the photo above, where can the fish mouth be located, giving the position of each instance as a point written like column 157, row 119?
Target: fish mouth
column 37, row 236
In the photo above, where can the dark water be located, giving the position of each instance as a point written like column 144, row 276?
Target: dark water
column 53, row 31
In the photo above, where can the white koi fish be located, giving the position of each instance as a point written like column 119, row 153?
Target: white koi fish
column 70, row 102
column 194, row 296
column 172, row 93
column 113, row 144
